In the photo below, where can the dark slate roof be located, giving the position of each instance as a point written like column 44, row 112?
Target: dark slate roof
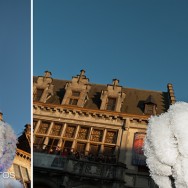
column 133, row 103
column 150, row 100
column 23, row 143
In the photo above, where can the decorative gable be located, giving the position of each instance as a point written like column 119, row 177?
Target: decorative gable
column 113, row 97
column 43, row 88
column 77, row 90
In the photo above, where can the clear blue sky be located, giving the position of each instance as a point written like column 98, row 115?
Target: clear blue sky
column 143, row 43
column 15, row 62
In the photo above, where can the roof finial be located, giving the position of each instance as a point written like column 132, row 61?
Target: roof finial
column 115, row 82
column 82, row 72
column 47, row 74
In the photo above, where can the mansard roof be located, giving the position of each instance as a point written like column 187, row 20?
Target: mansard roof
column 133, row 103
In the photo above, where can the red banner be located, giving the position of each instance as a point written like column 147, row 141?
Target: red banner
column 138, row 154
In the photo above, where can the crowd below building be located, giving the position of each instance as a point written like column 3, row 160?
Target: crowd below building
column 76, row 155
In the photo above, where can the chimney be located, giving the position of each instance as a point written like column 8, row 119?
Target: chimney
column 1, row 116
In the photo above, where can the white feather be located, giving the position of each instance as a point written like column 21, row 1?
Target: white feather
column 166, row 146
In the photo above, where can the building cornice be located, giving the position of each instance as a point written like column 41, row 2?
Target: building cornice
column 88, row 111
column 23, row 154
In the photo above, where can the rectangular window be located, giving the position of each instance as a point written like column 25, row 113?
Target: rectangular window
column 108, row 150
column 56, row 129
column 81, row 147
column 38, row 94
column 43, row 128
column 149, row 109
column 73, row 101
column 70, row 131
column 111, row 103
column 21, row 174
column 94, row 149
column 96, row 135
column 111, row 137
column 52, row 144
column 74, row 98
column 17, row 172
column 38, row 140
column 83, row 133
column 67, row 145
column 38, row 143
column 25, row 174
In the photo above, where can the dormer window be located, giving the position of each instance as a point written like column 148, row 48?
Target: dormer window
column 38, row 94
column 150, row 106
column 73, row 101
column 77, row 90
column 74, row 98
column 43, row 87
column 149, row 109
column 113, row 97
column 111, row 104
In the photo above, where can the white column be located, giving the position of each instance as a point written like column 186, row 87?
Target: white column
column 89, row 136
column 60, row 143
column 63, row 130
column 103, row 141
column 45, row 142
column 50, row 127
column 37, row 126
column 75, row 136
column 88, row 143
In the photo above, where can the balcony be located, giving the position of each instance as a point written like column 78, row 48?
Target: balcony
column 79, row 167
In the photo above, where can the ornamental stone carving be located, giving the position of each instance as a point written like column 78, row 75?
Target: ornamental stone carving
column 43, row 87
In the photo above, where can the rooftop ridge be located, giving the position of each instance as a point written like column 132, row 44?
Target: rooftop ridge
column 146, row 90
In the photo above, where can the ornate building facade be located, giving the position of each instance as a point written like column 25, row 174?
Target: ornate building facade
column 22, row 162
column 21, row 167
column 91, row 135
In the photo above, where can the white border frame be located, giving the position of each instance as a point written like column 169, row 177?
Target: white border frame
column 31, row 95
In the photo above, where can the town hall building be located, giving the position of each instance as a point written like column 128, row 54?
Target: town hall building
column 90, row 135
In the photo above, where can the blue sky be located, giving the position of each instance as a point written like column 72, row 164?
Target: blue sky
column 142, row 43
column 15, row 62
